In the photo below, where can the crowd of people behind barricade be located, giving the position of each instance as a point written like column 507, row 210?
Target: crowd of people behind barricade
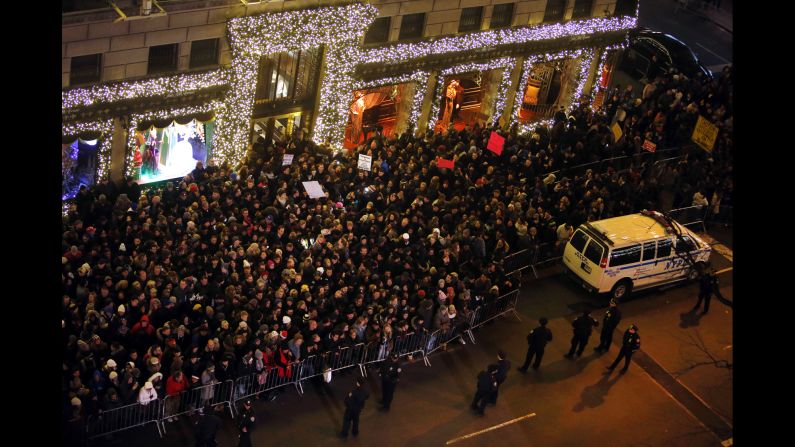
column 231, row 271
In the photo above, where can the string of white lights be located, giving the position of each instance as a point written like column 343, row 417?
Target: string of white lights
column 402, row 52
column 338, row 30
column 179, row 84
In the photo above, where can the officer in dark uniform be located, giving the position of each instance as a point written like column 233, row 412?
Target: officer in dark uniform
column 246, row 424
column 707, row 283
column 390, row 375
column 537, row 340
column 609, row 324
column 630, row 345
column 583, row 326
column 354, row 404
column 487, row 384
column 503, row 366
column 206, row 428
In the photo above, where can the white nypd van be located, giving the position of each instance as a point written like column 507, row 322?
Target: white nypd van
column 633, row 252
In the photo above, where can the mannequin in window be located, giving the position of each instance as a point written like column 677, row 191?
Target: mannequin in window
column 449, row 103
column 357, row 112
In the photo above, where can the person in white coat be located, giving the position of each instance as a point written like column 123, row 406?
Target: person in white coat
column 147, row 394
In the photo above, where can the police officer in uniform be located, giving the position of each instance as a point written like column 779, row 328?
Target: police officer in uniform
column 503, row 366
column 390, row 375
column 707, row 284
column 537, row 340
column 246, row 424
column 487, row 384
column 630, row 345
column 609, row 324
column 207, row 427
column 583, row 326
column 354, row 404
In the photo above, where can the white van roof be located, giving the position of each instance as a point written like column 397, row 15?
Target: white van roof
column 632, row 229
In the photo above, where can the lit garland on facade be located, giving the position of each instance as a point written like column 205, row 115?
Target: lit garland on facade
column 338, row 29
column 599, row 69
column 587, row 55
column 162, row 86
column 105, row 128
column 502, row 90
column 420, row 80
column 503, row 64
column 129, row 165
column 403, row 52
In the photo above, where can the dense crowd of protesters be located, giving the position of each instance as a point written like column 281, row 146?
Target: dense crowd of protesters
column 228, row 272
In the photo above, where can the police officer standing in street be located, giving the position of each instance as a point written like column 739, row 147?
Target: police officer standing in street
column 487, row 384
column 537, row 340
column 207, row 427
column 630, row 345
column 390, row 375
column 245, row 424
column 583, row 326
column 354, row 404
column 503, row 366
column 609, row 324
column 707, row 284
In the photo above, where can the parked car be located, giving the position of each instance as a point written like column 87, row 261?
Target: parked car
column 636, row 60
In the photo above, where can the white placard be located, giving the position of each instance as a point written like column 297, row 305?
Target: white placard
column 365, row 162
column 314, row 190
column 288, row 160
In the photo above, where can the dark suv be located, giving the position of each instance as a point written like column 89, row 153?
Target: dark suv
column 670, row 51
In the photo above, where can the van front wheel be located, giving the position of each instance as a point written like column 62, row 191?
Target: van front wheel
column 621, row 290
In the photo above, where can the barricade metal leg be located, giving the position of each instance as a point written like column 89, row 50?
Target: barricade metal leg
column 425, row 359
column 362, row 370
column 299, row 388
column 471, row 336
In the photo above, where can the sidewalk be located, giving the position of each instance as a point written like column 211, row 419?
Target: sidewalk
column 721, row 16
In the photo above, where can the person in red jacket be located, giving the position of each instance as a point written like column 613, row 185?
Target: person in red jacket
column 176, row 384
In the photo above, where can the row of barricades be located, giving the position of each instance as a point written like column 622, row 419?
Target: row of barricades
column 228, row 393
column 533, row 258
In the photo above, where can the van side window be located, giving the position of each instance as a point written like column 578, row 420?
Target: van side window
column 663, row 248
column 685, row 244
column 648, row 250
column 625, row 255
column 578, row 240
column 594, row 252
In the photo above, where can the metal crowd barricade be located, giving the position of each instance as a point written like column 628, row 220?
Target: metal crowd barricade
column 724, row 215
column 517, row 262
column 545, row 253
column 270, row 378
column 195, row 399
column 691, row 215
column 439, row 339
column 403, row 345
column 502, row 305
column 123, row 418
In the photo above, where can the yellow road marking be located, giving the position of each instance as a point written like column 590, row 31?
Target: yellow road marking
column 461, row 438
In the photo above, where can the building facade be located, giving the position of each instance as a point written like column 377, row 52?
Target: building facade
column 150, row 87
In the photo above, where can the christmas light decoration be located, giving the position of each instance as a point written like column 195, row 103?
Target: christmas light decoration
column 338, row 30
column 420, row 80
column 105, row 129
column 397, row 53
column 129, row 165
column 504, row 64
column 163, row 86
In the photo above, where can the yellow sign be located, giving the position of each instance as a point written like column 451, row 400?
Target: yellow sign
column 617, row 132
column 705, row 134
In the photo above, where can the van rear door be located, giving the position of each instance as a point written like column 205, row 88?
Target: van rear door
column 582, row 256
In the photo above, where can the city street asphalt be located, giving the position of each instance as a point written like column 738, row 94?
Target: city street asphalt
column 677, row 392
